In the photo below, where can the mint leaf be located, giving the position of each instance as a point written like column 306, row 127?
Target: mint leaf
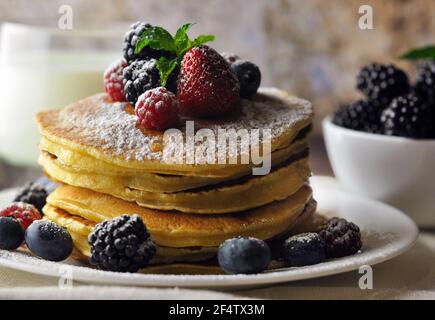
column 157, row 38
column 427, row 52
column 165, row 67
column 202, row 39
column 194, row 43
column 182, row 40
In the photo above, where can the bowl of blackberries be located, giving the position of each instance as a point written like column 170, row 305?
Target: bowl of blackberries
column 383, row 144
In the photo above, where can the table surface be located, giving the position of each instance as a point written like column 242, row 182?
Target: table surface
column 409, row 276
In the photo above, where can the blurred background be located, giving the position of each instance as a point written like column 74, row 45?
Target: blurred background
column 311, row 48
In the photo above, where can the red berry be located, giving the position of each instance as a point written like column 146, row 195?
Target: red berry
column 157, row 109
column 113, row 80
column 207, row 85
column 23, row 212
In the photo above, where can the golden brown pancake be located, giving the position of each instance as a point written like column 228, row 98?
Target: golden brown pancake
column 226, row 197
column 175, row 229
column 78, row 163
column 79, row 228
column 108, row 132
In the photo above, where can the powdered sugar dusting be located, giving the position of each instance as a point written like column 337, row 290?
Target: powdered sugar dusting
column 111, row 127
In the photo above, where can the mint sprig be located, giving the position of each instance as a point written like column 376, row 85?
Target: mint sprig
column 159, row 38
column 427, row 52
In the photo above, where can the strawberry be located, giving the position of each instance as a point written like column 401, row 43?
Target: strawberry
column 207, row 85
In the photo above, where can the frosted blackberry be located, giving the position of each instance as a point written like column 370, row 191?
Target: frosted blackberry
column 382, row 82
column 130, row 39
column 141, row 76
column 342, row 238
column 361, row 115
column 425, row 83
column 32, row 193
column 122, row 244
column 409, row 116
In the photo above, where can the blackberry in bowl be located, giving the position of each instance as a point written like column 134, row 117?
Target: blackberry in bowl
column 383, row 147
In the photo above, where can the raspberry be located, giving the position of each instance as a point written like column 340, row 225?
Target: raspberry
column 361, row 115
column 342, row 238
column 114, row 80
column 25, row 213
column 207, row 86
column 409, row 116
column 122, row 244
column 157, row 109
column 130, row 40
column 32, row 193
column 382, row 82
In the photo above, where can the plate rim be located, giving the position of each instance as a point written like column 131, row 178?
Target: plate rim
column 220, row 281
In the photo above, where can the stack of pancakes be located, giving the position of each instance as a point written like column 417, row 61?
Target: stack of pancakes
column 108, row 166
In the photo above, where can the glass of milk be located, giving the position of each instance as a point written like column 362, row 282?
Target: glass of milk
column 41, row 69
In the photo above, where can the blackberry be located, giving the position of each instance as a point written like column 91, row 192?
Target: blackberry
column 141, row 76
column 32, row 193
column 361, row 115
column 304, row 249
column 122, row 244
column 129, row 45
column 342, row 238
column 425, row 84
column 382, row 82
column 249, row 76
column 244, row 255
column 409, row 116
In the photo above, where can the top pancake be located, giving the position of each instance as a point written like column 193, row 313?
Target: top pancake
column 108, row 131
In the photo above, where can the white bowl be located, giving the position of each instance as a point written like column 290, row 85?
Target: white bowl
column 395, row 170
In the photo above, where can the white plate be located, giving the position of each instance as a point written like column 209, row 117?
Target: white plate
column 386, row 231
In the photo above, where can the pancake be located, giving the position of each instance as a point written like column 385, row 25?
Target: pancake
column 108, row 132
column 175, row 229
column 79, row 228
column 108, row 174
column 164, row 255
column 226, row 197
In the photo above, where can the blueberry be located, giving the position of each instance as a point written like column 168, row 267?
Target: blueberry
column 304, row 249
column 48, row 241
column 249, row 76
column 11, row 233
column 244, row 255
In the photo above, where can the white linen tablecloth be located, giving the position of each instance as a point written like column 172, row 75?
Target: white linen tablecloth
column 409, row 276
